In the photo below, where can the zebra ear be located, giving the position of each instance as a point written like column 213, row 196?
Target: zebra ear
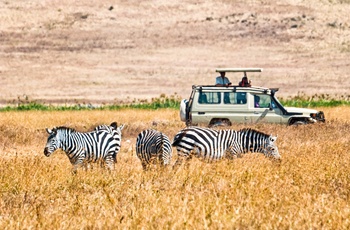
column 121, row 127
column 114, row 124
column 272, row 138
column 49, row 131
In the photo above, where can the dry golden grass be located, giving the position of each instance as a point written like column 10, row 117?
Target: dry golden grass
column 310, row 189
column 69, row 51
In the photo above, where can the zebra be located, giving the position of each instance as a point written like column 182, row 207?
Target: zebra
column 83, row 148
column 210, row 144
column 153, row 146
column 115, row 131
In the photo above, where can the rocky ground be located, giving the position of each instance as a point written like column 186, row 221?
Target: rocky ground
column 112, row 52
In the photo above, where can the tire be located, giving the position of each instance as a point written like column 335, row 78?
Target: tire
column 297, row 123
column 219, row 123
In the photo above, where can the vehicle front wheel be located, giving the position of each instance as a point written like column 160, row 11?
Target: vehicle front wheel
column 296, row 123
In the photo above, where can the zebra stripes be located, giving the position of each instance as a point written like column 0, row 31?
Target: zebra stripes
column 83, row 148
column 115, row 131
column 153, row 146
column 212, row 144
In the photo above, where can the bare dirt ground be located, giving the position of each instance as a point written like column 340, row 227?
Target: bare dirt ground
column 110, row 52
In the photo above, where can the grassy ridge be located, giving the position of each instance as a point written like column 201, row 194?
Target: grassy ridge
column 174, row 102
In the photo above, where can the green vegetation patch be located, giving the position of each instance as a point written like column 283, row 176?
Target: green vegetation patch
column 317, row 100
column 163, row 101
column 173, row 102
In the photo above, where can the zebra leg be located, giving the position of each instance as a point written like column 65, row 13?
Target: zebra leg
column 75, row 168
column 144, row 165
column 232, row 153
column 111, row 166
column 77, row 164
column 161, row 160
column 109, row 161
column 181, row 156
column 165, row 159
column 102, row 163
column 115, row 157
column 178, row 162
column 86, row 166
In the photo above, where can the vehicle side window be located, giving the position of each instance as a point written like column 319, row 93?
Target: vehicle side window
column 209, row 98
column 235, row 98
column 231, row 98
column 241, row 98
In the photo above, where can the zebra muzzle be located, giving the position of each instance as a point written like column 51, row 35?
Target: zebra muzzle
column 46, row 152
column 277, row 160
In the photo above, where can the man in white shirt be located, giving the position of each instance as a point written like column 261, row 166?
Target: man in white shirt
column 222, row 80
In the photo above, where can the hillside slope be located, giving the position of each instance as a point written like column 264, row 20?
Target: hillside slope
column 92, row 51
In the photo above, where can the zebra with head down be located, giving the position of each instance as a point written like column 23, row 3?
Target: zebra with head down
column 83, row 148
column 213, row 144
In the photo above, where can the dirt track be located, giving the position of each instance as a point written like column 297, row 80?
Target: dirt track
column 92, row 51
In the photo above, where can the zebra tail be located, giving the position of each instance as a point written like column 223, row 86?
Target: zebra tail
column 162, row 142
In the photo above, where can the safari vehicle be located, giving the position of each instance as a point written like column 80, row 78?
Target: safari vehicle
column 213, row 105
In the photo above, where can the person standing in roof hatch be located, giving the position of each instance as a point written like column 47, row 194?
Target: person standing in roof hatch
column 222, row 80
column 245, row 82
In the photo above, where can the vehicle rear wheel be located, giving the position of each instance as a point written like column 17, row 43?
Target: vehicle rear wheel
column 219, row 122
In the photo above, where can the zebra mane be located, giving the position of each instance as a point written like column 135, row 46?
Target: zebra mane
column 247, row 130
column 64, row 128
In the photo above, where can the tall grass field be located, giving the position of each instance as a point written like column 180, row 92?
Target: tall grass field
column 309, row 189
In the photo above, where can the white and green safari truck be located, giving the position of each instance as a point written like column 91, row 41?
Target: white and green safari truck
column 216, row 105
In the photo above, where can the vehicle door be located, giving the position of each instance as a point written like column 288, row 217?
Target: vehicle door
column 205, row 105
column 263, row 109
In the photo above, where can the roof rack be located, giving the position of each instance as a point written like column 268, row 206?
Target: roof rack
column 239, row 70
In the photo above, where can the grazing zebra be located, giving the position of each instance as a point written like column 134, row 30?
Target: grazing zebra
column 83, row 148
column 212, row 144
column 153, row 146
